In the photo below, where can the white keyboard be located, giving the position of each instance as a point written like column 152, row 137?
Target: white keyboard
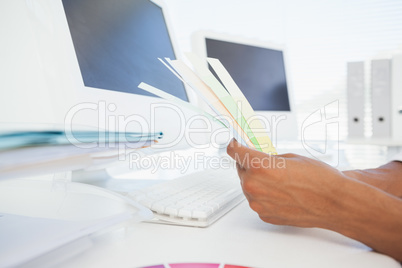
column 198, row 199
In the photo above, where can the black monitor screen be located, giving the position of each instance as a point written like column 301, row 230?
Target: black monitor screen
column 118, row 44
column 259, row 73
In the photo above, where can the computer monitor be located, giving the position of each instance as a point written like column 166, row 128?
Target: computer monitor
column 80, row 62
column 118, row 43
column 260, row 71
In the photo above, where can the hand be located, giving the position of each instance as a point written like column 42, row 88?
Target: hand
column 295, row 190
column 289, row 189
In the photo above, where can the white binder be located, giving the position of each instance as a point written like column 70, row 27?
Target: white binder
column 381, row 97
column 355, row 94
column 396, row 112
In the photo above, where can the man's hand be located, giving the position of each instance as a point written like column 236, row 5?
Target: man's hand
column 289, row 189
column 294, row 190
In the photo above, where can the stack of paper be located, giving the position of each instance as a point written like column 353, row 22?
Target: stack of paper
column 226, row 100
column 18, row 139
column 46, row 151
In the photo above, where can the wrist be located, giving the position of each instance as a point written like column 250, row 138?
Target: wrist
column 348, row 198
column 355, row 211
column 370, row 216
column 387, row 177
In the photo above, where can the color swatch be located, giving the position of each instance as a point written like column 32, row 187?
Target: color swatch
column 196, row 265
column 226, row 100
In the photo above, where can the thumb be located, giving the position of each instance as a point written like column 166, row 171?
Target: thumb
column 243, row 155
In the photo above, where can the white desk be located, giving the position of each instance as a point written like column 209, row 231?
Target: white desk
column 238, row 238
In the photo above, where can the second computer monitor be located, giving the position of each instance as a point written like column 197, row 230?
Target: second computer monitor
column 259, row 69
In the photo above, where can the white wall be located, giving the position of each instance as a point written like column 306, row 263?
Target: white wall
column 262, row 19
column 320, row 37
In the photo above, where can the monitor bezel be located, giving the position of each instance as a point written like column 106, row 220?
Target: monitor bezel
column 198, row 44
column 80, row 93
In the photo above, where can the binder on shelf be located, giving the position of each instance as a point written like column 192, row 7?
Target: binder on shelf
column 396, row 112
column 381, row 97
column 355, row 94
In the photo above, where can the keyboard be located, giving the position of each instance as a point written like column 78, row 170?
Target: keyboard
column 197, row 199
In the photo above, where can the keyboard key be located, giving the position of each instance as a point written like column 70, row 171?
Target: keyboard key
column 198, row 198
column 172, row 210
column 159, row 207
column 185, row 212
column 202, row 212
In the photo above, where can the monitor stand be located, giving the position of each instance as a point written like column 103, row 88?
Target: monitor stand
column 102, row 178
column 124, row 179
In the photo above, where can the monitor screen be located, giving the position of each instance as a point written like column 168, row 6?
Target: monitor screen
column 118, row 44
column 259, row 72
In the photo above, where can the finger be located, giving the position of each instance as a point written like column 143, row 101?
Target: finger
column 248, row 197
column 241, row 154
column 240, row 171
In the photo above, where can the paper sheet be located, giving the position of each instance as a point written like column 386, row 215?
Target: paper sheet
column 211, row 99
column 175, row 100
column 206, row 75
column 229, row 104
column 245, row 107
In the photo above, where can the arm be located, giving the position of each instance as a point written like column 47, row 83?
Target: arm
column 295, row 190
column 387, row 177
